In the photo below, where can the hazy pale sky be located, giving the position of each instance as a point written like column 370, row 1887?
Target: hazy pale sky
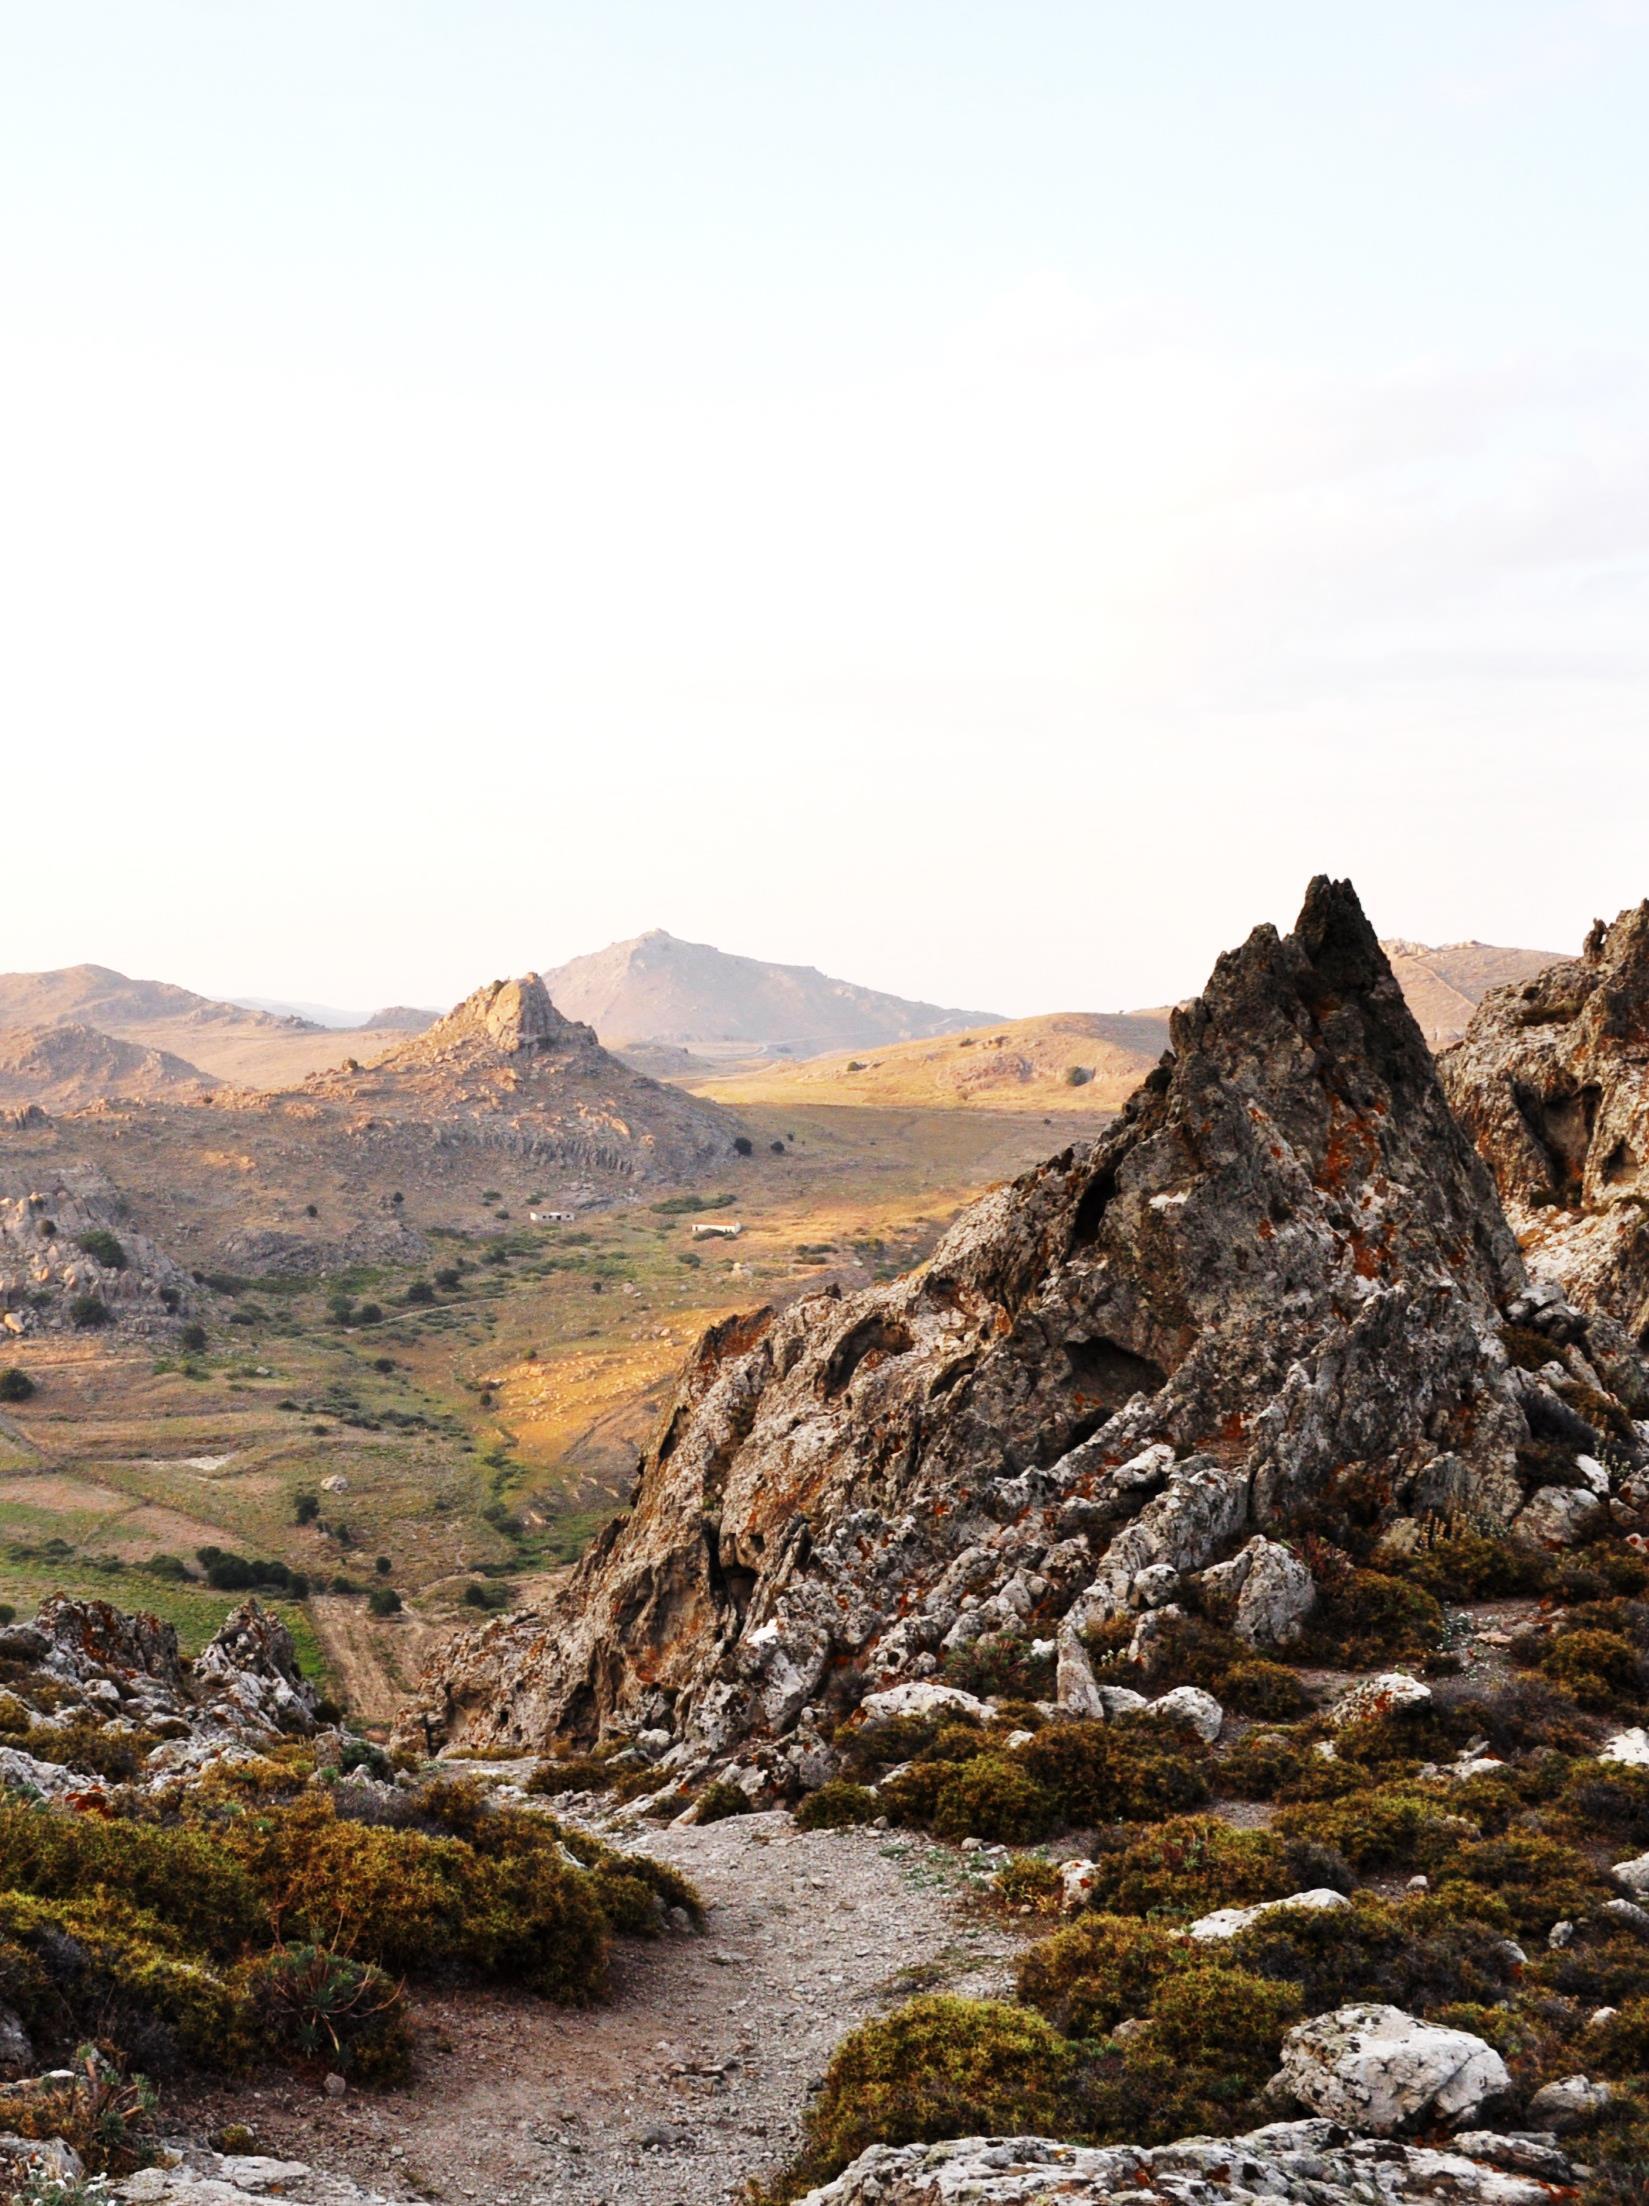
column 984, row 498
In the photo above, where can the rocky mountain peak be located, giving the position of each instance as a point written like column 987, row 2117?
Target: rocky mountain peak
column 1276, row 1283
column 506, row 1018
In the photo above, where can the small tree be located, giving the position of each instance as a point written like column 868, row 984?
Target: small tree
column 102, row 1247
column 306, row 1508
column 15, row 1385
column 383, row 1601
column 743, row 1146
column 88, row 1311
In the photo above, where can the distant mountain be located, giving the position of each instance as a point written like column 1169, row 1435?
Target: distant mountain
column 68, row 1068
column 399, row 1018
column 658, row 989
column 96, row 995
column 1444, row 985
column 308, row 1014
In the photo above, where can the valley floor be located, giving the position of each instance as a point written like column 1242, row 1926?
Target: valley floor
column 694, row 2076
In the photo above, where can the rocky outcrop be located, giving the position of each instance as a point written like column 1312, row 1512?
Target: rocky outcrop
column 1380, row 2071
column 1281, row 1275
column 505, row 1071
column 1552, row 1083
column 81, row 1660
column 1302, row 2161
column 65, row 1244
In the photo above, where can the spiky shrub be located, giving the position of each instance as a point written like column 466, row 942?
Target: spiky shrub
column 319, row 2003
column 96, row 2109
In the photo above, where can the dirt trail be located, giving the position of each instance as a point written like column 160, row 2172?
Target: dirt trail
column 695, row 2073
column 374, row 1666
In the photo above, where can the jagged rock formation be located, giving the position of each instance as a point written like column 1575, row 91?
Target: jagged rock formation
column 81, row 1660
column 66, row 1238
column 71, row 1067
column 1552, row 1083
column 1280, row 1275
column 657, row 988
column 1313, row 2162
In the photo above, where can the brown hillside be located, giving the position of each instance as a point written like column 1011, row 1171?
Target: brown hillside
column 68, row 1068
column 1445, row 985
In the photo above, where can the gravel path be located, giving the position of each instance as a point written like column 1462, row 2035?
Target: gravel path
column 695, row 2073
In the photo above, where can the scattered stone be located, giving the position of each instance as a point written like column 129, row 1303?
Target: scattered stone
column 1380, row 2070
column 1568, row 2103
column 1191, row 1706
column 1381, row 1695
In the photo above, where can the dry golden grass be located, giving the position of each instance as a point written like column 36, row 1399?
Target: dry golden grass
column 1020, row 1066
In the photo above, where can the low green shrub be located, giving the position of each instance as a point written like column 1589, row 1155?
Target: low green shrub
column 1131, row 1771
column 941, row 2067
column 993, row 1799
column 1265, row 1689
column 837, row 1806
column 720, row 1799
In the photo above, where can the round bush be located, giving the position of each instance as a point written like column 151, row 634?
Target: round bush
column 942, row 2067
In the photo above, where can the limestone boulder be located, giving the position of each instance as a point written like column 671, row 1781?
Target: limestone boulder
column 1380, row 2071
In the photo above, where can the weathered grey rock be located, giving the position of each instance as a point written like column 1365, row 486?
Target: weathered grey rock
column 1559, row 1516
column 1568, row 2103
column 922, row 1699
column 1191, row 1707
column 200, row 2178
column 1381, row 1695
column 1264, row 1592
column 1380, row 2071
column 1226, row 1922
column 1313, row 2163
column 1634, row 1874
column 16, row 2046
column 1552, row 1083
column 1283, row 1265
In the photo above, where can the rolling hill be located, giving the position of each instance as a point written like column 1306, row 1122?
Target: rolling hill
column 68, row 1068
column 658, row 989
column 240, row 1043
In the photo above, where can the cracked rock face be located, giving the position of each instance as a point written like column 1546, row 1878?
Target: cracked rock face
column 1380, row 2071
column 1281, row 1271
column 1314, row 2163
column 1552, row 1083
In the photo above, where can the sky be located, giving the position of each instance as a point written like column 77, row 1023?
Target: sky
column 982, row 496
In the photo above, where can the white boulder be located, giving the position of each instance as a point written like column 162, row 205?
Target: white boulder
column 1380, row 2070
column 1191, row 1706
column 1226, row 1922
column 920, row 1698
column 1630, row 1747
column 1634, row 1874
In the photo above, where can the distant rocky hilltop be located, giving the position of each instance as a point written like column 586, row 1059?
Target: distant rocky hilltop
column 1284, row 1278
column 658, row 989
column 352, row 1164
column 69, row 1259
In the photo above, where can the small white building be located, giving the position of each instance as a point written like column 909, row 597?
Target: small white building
column 551, row 1217
column 708, row 1230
